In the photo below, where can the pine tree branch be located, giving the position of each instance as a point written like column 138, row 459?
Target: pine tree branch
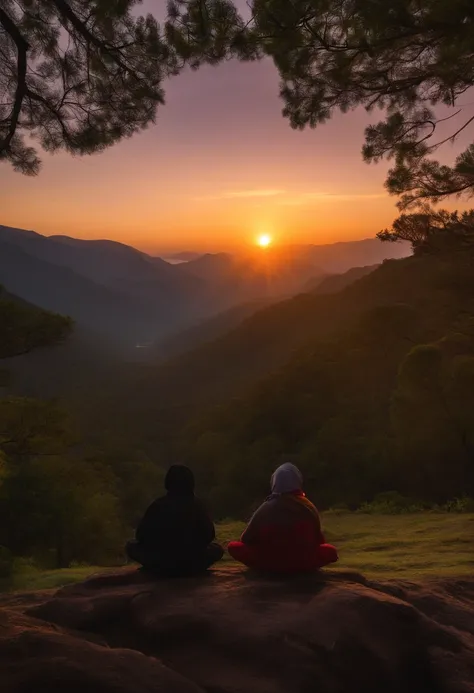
column 65, row 10
column 22, row 49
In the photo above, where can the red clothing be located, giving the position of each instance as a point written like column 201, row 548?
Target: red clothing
column 281, row 563
column 284, row 536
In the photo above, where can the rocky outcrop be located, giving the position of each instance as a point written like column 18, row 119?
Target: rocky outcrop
column 229, row 632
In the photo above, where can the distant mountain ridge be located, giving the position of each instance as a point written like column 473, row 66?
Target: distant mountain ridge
column 336, row 282
column 130, row 297
column 103, row 261
column 185, row 256
column 336, row 258
column 110, row 288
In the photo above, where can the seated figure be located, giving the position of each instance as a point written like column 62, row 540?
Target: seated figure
column 176, row 535
column 284, row 535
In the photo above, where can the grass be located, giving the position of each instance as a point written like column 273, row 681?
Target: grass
column 417, row 546
column 31, row 579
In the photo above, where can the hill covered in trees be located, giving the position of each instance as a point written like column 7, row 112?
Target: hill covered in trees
column 368, row 388
column 127, row 298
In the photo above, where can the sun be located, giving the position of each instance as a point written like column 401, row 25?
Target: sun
column 264, row 240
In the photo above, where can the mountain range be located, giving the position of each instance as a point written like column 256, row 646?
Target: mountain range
column 392, row 308
column 130, row 297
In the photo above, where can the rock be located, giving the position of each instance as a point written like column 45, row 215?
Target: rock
column 35, row 657
column 229, row 632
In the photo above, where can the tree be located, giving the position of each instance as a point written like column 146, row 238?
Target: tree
column 58, row 509
column 403, row 57
column 432, row 418
column 432, row 231
column 24, row 328
column 76, row 75
column 31, row 427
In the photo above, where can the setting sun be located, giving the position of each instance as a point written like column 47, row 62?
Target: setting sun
column 264, row 240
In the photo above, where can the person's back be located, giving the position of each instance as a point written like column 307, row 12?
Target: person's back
column 284, row 534
column 285, row 526
column 176, row 533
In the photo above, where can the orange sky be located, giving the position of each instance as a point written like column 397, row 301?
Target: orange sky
column 220, row 166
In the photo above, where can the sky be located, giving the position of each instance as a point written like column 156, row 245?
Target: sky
column 220, row 166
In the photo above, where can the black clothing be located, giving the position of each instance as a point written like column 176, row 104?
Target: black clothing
column 176, row 523
column 179, row 479
column 176, row 529
column 182, row 566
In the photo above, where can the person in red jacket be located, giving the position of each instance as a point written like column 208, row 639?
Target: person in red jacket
column 284, row 535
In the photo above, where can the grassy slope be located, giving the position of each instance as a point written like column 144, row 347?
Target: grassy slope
column 424, row 545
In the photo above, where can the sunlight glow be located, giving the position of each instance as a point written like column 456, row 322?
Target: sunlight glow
column 264, row 240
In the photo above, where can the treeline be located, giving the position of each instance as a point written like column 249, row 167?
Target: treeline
column 60, row 500
column 60, row 503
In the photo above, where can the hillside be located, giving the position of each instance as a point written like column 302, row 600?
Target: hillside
column 336, row 258
column 315, row 376
column 265, row 340
column 206, row 330
column 216, row 326
column 132, row 298
column 110, row 313
column 112, row 264
column 380, row 399
column 336, row 282
column 243, row 277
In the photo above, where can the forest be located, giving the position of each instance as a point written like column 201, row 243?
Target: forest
column 368, row 388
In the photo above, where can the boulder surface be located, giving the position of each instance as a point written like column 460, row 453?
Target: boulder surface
column 230, row 632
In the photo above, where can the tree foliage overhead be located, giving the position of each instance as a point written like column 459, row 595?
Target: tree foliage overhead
column 405, row 57
column 432, row 231
column 76, row 75
column 209, row 31
column 82, row 75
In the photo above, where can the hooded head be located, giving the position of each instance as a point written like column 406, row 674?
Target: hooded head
column 286, row 479
column 179, row 480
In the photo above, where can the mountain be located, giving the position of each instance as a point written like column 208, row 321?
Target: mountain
column 112, row 264
column 245, row 277
column 336, row 282
column 229, row 365
column 110, row 313
column 282, row 271
column 370, row 389
column 211, row 328
column 107, row 287
column 207, row 330
column 119, row 292
column 336, row 258
column 185, row 256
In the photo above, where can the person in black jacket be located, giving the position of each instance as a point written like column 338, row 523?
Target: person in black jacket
column 176, row 535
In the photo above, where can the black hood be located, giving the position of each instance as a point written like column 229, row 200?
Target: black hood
column 179, row 480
